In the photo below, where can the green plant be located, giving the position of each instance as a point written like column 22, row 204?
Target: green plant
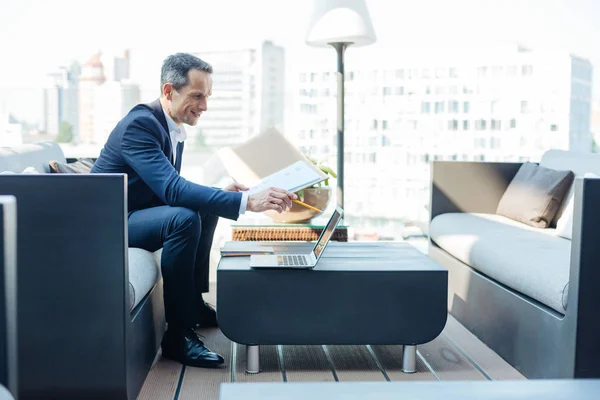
column 326, row 169
column 65, row 133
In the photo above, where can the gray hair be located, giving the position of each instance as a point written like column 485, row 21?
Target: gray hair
column 175, row 69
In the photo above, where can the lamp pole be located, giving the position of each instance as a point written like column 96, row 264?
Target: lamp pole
column 340, row 48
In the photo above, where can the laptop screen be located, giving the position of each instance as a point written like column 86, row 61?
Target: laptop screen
column 327, row 232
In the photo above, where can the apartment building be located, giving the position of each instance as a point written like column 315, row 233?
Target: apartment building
column 92, row 76
column 407, row 109
column 60, row 101
column 112, row 101
column 247, row 95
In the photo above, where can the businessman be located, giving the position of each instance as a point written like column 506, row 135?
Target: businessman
column 166, row 211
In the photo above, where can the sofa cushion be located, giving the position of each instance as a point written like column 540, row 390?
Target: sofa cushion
column 579, row 163
column 532, row 261
column 535, row 194
column 37, row 155
column 144, row 272
column 28, row 170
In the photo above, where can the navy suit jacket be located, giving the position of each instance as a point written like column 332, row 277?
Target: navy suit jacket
column 140, row 146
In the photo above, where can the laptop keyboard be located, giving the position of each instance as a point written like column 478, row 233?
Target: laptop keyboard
column 293, row 259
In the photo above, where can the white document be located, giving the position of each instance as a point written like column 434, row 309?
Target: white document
column 296, row 176
column 269, row 159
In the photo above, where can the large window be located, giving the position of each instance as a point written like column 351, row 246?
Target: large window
column 502, row 82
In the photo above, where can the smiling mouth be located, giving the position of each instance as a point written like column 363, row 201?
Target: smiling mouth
column 195, row 114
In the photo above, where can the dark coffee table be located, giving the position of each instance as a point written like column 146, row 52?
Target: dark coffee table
column 359, row 293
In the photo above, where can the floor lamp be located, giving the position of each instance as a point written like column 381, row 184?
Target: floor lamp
column 340, row 23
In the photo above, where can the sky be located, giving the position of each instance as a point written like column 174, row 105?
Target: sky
column 37, row 36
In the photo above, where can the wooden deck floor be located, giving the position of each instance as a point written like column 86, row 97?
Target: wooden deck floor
column 454, row 355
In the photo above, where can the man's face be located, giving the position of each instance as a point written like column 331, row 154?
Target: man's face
column 189, row 102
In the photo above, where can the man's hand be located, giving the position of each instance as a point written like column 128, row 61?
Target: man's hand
column 271, row 199
column 235, row 187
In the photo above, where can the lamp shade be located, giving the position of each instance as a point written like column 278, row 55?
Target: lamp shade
column 340, row 21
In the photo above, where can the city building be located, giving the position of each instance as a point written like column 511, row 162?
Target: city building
column 595, row 125
column 112, row 101
column 11, row 130
column 247, row 95
column 122, row 67
column 92, row 76
column 71, row 96
column 404, row 109
column 53, row 101
column 60, row 102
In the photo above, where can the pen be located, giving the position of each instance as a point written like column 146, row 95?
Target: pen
column 306, row 205
column 243, row 254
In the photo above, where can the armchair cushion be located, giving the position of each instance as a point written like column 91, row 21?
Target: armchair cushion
column 144, row 273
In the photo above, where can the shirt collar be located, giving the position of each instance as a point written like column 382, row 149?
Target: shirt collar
column 178, row 132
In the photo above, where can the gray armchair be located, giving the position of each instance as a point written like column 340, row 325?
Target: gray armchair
column 533, row 337
column 78, row 337
column 91, row 312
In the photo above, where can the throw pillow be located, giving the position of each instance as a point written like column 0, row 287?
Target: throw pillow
column 564, row 225
column 81, row 166
column 30, row 170
column 535, row 194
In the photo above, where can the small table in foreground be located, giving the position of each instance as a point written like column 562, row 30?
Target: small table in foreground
column 377, row 293
column 552, row 389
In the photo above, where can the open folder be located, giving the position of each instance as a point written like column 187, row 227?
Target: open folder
column 270, row 160
column 245, row 249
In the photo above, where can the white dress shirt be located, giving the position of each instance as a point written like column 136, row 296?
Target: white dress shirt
column 179, row 134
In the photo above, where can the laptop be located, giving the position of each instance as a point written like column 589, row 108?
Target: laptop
column 303, row 261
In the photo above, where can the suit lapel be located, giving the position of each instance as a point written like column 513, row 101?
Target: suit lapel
column 159, row 114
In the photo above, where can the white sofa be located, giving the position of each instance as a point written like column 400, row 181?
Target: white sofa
column 512, row 284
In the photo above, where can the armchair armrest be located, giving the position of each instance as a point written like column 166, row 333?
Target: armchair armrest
column 584, row 279
column 8, row 295
column 72, row 280
column 469, row 186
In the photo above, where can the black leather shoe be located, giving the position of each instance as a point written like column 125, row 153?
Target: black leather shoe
column 186, row 347
column 207, row 316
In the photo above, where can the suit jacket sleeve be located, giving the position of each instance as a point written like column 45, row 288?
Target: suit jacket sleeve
column 142, row 150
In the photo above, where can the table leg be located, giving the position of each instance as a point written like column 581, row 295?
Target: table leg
column 409, row 359
column 252, row 359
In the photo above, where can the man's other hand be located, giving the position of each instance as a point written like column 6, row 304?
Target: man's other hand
column 235, row 187
column 271, row 199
